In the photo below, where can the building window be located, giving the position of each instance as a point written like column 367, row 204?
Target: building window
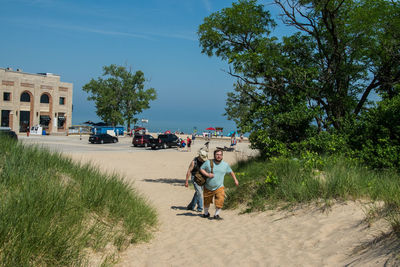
column 25, row 97
column 5, row 118
column 62, row 100
column 7, row 96
column 44, row 99
column 61, row 122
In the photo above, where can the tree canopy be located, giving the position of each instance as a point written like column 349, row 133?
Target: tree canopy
column 318, row 79
column 120, row 95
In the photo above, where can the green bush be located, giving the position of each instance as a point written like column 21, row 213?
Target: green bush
column 267, row 146
column 323, row 143
column 375, row 137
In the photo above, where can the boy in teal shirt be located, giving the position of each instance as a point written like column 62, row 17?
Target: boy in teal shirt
column 214, row 186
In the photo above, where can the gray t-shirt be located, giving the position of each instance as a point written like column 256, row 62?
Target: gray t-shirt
column 219, row 171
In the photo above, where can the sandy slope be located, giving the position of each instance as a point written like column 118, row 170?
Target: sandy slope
column 307, row 237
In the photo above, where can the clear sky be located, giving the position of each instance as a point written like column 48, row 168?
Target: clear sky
column 75, row 39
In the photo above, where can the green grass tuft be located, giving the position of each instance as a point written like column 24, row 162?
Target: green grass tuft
column 288, row 182
column 52, row 210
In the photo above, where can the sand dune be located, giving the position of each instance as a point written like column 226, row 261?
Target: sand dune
column 305, row 237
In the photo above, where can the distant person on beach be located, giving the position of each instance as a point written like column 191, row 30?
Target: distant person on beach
column 193, row 138
column 189, row 143
column 214, row 186
column 233, row 142
column 198, row 194
column 183, row 144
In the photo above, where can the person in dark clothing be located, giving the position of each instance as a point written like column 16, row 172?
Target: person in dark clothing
column 193, row 168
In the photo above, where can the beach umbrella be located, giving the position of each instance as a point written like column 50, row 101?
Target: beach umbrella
column 167, row 132
column 210, row 129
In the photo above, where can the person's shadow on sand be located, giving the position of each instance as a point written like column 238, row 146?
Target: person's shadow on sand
column 193, row 214
column 178, row 208
column 172, row 181
column 189, row 214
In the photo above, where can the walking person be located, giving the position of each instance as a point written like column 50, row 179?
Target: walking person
column 193, row 168
column 214, row 186
column 233, row 142
column 189, row 144
column 183, row 144
column 193, row 138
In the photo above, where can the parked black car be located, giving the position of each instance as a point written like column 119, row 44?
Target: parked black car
column 164, row 141
column 8, row 132
column 102, row 138
column 141, row 140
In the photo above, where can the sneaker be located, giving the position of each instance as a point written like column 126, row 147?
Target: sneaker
column 199, row 210
column 216, row 217
column 206, row 216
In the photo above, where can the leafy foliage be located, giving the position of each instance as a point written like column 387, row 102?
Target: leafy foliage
column 313, row 86
column 376, row 137
column 121, row 96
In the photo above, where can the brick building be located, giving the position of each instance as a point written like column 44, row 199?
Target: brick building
column 28, row 99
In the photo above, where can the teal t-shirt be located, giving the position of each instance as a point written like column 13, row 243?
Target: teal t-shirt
column 219, row 171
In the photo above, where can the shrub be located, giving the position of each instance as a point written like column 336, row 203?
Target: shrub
column 375, row 137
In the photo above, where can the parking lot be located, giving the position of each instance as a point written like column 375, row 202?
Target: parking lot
column 76, row 144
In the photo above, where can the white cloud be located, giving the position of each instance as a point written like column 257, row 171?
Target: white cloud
column 148, row 35
column 189, row 37
column 99, row 31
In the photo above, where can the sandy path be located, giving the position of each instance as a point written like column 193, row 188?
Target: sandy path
column 303, row 238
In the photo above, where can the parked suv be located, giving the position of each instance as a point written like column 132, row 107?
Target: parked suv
column 164, row 141
column 141, row 140
column 102, row 138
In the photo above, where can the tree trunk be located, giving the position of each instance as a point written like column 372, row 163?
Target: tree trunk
column 128, row 126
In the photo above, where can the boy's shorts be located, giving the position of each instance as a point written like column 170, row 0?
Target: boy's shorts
column 219, row 197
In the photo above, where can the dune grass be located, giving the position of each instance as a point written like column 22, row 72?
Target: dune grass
column 286, row 182
column 55, row 212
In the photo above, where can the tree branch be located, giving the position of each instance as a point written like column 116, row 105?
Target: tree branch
column 292, row 17
column 364, row 97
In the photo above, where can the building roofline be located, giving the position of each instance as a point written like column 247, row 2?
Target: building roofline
column 36, row 74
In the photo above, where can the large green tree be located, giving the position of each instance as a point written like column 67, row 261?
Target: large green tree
column 317, row 79
column 119, row 95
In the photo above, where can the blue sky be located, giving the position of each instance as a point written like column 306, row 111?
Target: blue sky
column 75, row 39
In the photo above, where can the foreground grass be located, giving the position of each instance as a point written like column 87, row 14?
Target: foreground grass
column 286, row 182
column 54, row 212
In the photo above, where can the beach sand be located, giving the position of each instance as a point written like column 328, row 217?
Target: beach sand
column 304, row 237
